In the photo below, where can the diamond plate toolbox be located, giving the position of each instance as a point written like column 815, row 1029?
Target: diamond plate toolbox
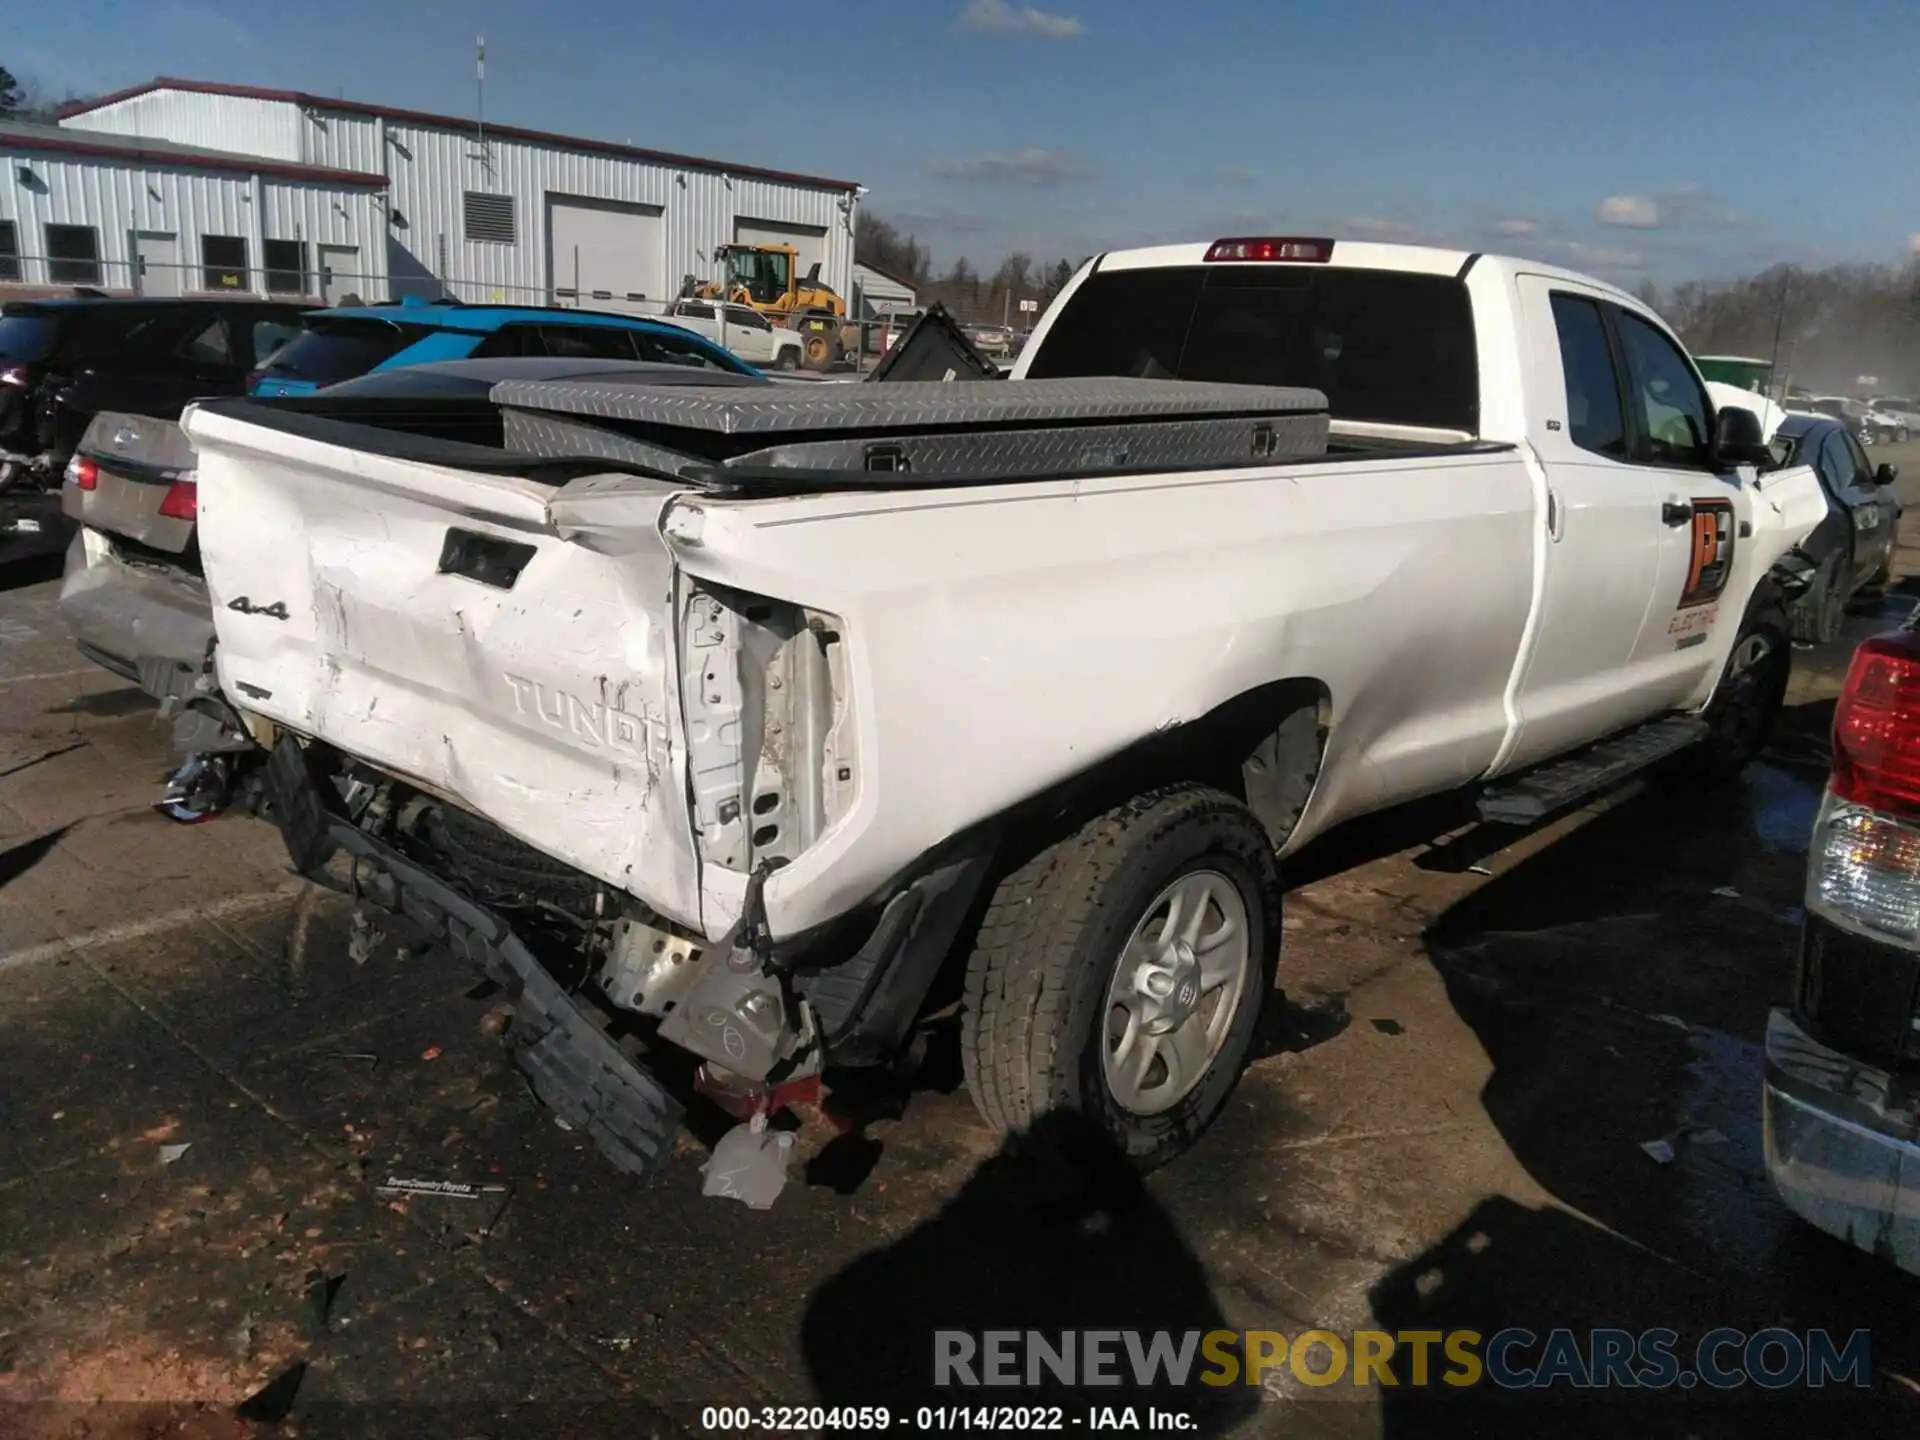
column 936, row 429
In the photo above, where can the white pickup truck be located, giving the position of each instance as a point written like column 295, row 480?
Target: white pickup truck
column 692, row 720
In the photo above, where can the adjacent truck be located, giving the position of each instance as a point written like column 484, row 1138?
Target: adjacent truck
column 733, row 717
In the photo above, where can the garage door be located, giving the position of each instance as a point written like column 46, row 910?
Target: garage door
column 809, row 240
column 606, row 256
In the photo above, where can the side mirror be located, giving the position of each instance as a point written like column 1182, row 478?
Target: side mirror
column 1886, row 474
column 1738, row 438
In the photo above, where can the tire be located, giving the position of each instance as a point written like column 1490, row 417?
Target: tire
column 1815, row 619
column 787, row 359
column 1043, row 983
column 819, row 351
column 1747, row 701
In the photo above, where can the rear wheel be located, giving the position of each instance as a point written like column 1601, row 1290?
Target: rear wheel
column 787, row 359
column 1120, row 973
column 1752, row 688
column 1882, row 580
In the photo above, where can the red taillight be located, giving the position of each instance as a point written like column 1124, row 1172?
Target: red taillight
column 15, row 375
column 1317, row 252
column 83, row 472
column 182, row 502
column 1876, row 726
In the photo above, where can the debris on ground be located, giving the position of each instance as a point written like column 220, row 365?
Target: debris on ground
column 1673, row 1020
column 321, row 1288
column 171, row 1153
column 749, row 1164
column 744, row 1099
column 1660, row 1150
column 1478, row 870
column 270, row 1403
column 1726, row 892
column 1389, row 1027
column 432, row 1052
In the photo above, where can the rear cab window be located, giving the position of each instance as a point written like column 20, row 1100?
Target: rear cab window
column 339, row 348
column 1386, row 347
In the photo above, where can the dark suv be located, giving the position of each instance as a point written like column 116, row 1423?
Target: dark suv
column 64, row 361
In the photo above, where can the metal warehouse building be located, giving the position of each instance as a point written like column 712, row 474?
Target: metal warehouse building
column 129, row 215
column 489, row 212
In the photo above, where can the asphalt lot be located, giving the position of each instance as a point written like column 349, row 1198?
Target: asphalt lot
column 1444, row 1128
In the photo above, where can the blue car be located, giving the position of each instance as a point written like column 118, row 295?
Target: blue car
column 343, row 343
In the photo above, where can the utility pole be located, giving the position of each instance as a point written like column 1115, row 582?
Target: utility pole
column 480, row 88
column 1774, row 378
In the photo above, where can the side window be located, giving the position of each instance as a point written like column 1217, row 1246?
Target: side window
column 665, row 350
column 697, row 312
column 509, row 342
column 1667, row 400
column 269, row 336
column 587, row 342
column 746, row 319
column 208, row 345
column 1594, row 420
column 1835, row 464
column 1862, row 467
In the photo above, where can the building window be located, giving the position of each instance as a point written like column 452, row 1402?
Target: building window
column 286, row 267
column 9, row 250
column 488, row 218
column 224, row 257
column 73, row 255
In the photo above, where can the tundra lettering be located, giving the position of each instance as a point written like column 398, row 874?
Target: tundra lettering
column 599, row 723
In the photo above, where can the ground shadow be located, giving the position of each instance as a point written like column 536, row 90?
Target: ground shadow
column 1520, row 1278
column 1619, row 981
column 17, row 860
column 1055, row 1233
column 30, row 570
column 106, row 704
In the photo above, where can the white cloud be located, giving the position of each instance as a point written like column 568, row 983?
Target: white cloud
column 1682, row 207
column 1001, row 17
column 1044, row 168
column 1631, row 212
column 1516, row 227
column 1605, row 257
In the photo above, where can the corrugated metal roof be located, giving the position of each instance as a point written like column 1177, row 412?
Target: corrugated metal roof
column 136, row 149
column 455, row 122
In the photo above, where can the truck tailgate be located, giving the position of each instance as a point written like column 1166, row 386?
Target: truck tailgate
column 432, row 622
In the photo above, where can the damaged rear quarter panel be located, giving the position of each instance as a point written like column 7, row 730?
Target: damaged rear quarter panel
column 1001, row 639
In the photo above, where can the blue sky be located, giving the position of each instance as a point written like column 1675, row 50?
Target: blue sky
column 1662, row 138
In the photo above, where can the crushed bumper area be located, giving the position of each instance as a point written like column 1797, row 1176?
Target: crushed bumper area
column 586, row 1078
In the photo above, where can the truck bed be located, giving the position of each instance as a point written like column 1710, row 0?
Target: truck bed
column 793, row 440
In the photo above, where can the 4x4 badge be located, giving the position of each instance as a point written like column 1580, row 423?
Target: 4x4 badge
column 277, row 610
